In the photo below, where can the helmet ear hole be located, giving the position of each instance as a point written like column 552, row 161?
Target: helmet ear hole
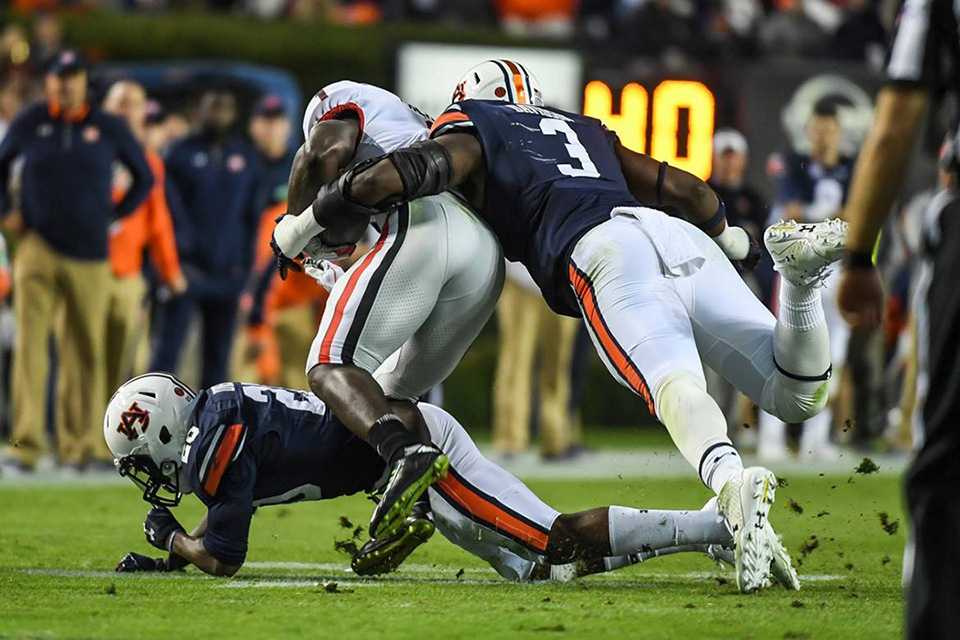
column 165, row 435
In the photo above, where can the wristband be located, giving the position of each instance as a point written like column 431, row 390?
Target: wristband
column 859, row 259
column 734, row 241
column 292, row 233
column 716, row 218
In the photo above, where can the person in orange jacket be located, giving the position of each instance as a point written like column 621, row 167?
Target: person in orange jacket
column 284, row 316
column 149, row 227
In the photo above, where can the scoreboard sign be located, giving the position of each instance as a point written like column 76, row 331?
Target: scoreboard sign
column 674, row 121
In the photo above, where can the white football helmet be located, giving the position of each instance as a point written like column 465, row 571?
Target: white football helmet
column 145, row 427
column 503, row 80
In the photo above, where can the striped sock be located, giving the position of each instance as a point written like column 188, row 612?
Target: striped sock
column 719, row 463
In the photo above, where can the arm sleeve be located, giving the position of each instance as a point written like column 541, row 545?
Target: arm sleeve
column 230, row 506
column 9, row 150
column 228, row 520
column 163, row 245
column 925, row 37
column 131, row 155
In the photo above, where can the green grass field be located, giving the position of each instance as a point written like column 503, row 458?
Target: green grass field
column 60, row 544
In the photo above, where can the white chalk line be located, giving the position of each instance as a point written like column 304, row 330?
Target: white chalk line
column 343, row 573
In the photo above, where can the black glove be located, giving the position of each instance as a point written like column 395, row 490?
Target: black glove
column 753, row 256
column 134, row 562
column 159, row 528
column 284, row 264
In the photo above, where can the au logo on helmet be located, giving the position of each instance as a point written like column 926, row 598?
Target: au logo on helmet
column 129, row 420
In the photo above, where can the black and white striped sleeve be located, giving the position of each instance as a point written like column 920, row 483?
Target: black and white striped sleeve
column 925, row 48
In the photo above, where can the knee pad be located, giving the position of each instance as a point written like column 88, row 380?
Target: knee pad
column 795, row 401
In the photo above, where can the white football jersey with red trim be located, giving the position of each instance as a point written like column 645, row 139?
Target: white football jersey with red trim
column 387, row 123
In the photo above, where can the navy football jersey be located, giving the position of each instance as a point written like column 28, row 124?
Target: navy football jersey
column 822, row 190
column 250, row 445
column 551, row 176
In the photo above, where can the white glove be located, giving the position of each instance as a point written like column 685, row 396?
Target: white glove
column 292, row 233
column 734, row 241
column 324, row 272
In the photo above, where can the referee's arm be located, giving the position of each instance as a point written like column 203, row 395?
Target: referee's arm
column 914, row 64
column 882, row 164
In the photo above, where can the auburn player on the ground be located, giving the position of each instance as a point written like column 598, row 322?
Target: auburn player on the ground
column 241, row 446
column 658, row 293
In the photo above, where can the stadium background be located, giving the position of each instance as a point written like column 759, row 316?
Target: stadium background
column 62, row 533
column 755, row 88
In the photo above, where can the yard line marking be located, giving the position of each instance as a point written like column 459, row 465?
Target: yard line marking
column 250, row 581
column 412, row 567
column 290, row 584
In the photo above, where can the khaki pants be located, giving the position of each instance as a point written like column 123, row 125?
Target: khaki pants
column 49, row 285
column 126, row 327
column 294, row 328
column 527, row 326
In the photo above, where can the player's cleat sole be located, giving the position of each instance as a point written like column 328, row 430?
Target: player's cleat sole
column 781, row 566
column 377, row 557
column 745, row 504
column 803, row 252
column 411, row 476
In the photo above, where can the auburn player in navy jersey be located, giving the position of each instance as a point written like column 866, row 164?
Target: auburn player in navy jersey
column 242, row 446
column 586, row 217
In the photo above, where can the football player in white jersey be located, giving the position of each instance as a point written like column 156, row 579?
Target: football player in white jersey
column 400, row 319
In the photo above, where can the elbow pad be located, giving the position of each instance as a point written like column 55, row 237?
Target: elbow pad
column 425, row 169
column 334, row 208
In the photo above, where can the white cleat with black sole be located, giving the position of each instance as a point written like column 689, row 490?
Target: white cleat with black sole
column 803, row 252
column 745, row 502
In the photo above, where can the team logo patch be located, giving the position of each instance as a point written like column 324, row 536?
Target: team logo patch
column 199, row 159
column 91, row 134
column 459, row 93
column 236, row 163
column 45, row 130
column 129, row 420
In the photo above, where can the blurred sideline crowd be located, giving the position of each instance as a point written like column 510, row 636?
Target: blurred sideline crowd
column 139, row 241
column 673, row 30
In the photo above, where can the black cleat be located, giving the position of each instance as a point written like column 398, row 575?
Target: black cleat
column 411, row 475
column 386, row 554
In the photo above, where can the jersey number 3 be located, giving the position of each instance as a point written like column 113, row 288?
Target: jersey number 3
column 576, row 150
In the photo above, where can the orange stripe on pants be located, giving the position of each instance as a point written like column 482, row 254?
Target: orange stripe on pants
column 492, row 514
column 327, row 343
column 614, row 352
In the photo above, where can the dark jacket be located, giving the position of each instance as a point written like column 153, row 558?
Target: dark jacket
column 216, row 209
column 67, row 180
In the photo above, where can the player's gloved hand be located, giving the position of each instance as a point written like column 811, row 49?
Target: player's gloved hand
column 160, row 526
column 290, row 236
column 739, row 246
column 753, row 256
column 176, row 563
column 134, row 562
column 326, row 273
column 320, row 249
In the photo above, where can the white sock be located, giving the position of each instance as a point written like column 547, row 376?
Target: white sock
column 800, row 307
column 719, row 463
column 698, row 428
column 642, row 530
